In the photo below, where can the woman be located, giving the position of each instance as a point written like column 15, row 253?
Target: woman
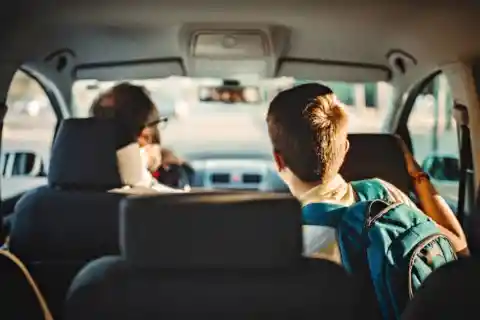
column 133, row 108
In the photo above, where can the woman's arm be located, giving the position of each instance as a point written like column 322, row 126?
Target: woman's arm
column 433, row 204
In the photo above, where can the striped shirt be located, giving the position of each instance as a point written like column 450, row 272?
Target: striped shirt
column 320, row 241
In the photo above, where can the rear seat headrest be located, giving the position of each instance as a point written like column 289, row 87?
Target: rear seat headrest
column 84, row 155
column 211, row 230
column 374, row 155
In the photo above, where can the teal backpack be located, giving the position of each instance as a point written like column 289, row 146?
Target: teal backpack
column 393, row 244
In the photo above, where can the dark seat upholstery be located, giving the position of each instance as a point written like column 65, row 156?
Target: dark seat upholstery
column 449, row 293
column 212, row 256
column 376, row 155
column 18, row 297
column 58, row 228
column 56, row 225
column 73, row 218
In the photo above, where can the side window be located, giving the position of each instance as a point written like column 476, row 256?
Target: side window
column 434, row 137
column 370, row 95
column 27, row 136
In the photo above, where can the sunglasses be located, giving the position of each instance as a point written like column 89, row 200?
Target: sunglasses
column 161, row 123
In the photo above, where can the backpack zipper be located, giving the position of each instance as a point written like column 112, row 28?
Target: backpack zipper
column 371, row 220
column 417, row 250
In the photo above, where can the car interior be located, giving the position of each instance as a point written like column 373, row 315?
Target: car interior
column 408, row 72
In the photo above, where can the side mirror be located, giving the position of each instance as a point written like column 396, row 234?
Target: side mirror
column 22, row 163
column 442, row 167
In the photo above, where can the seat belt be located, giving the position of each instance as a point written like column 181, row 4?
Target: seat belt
column 41, row 300
column 3, row 112
column 460, row 113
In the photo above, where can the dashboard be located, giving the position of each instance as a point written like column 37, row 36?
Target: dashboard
column 245, row 171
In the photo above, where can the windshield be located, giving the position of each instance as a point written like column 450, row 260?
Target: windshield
column 210, row 115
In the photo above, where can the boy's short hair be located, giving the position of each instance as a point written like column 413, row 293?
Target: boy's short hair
column 131, row 105
column 308, row 128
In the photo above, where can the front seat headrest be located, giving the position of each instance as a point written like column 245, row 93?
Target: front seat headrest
column 211, row 230
column 376, row 155
column 84, row 155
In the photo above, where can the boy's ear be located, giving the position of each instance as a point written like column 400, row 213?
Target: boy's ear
column 347, row 146
column 280, row 163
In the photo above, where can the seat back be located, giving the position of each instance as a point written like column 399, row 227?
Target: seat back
column 376, row 155
column 58, row 228
column 74, row 217
column 215, row 256
column 449, row 293
column 58, row 232
column 57, row 225
column 21, row 298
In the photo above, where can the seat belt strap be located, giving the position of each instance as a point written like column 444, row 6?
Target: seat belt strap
column 464, row 166
column 41, row 300
column 460, row 113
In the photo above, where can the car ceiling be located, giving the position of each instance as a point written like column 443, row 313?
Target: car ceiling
column 433, row 32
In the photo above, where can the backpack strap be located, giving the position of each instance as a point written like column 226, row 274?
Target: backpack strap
column 331, row 214
column 41, row 300
column 328, row 215
column 323, row 214
column 370, row 189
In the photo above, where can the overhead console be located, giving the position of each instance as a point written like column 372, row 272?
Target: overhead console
column 233, row 50
column 246, row 51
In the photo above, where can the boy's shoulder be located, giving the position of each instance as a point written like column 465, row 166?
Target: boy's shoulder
column 393, row 192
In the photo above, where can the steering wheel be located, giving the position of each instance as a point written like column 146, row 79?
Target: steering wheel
column 176, row 176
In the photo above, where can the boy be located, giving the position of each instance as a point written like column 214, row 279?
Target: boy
column 308, row 130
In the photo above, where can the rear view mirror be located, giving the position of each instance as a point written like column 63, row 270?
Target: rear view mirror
column 442, row 167
column 22, row 163
column 230, row 94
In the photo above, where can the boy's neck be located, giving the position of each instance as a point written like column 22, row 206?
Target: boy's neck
column 329, row 190
column 299, row 187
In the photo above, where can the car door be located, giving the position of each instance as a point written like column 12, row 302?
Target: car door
column 28, row 132
column 429, row 127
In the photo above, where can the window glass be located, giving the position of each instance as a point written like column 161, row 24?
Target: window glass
column 344, row 91
column 434, row 136
column 27, row 135
column 371, row 95
column 198, row 116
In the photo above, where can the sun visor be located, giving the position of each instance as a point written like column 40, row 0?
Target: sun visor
column 130, row 70
column 315, row 70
